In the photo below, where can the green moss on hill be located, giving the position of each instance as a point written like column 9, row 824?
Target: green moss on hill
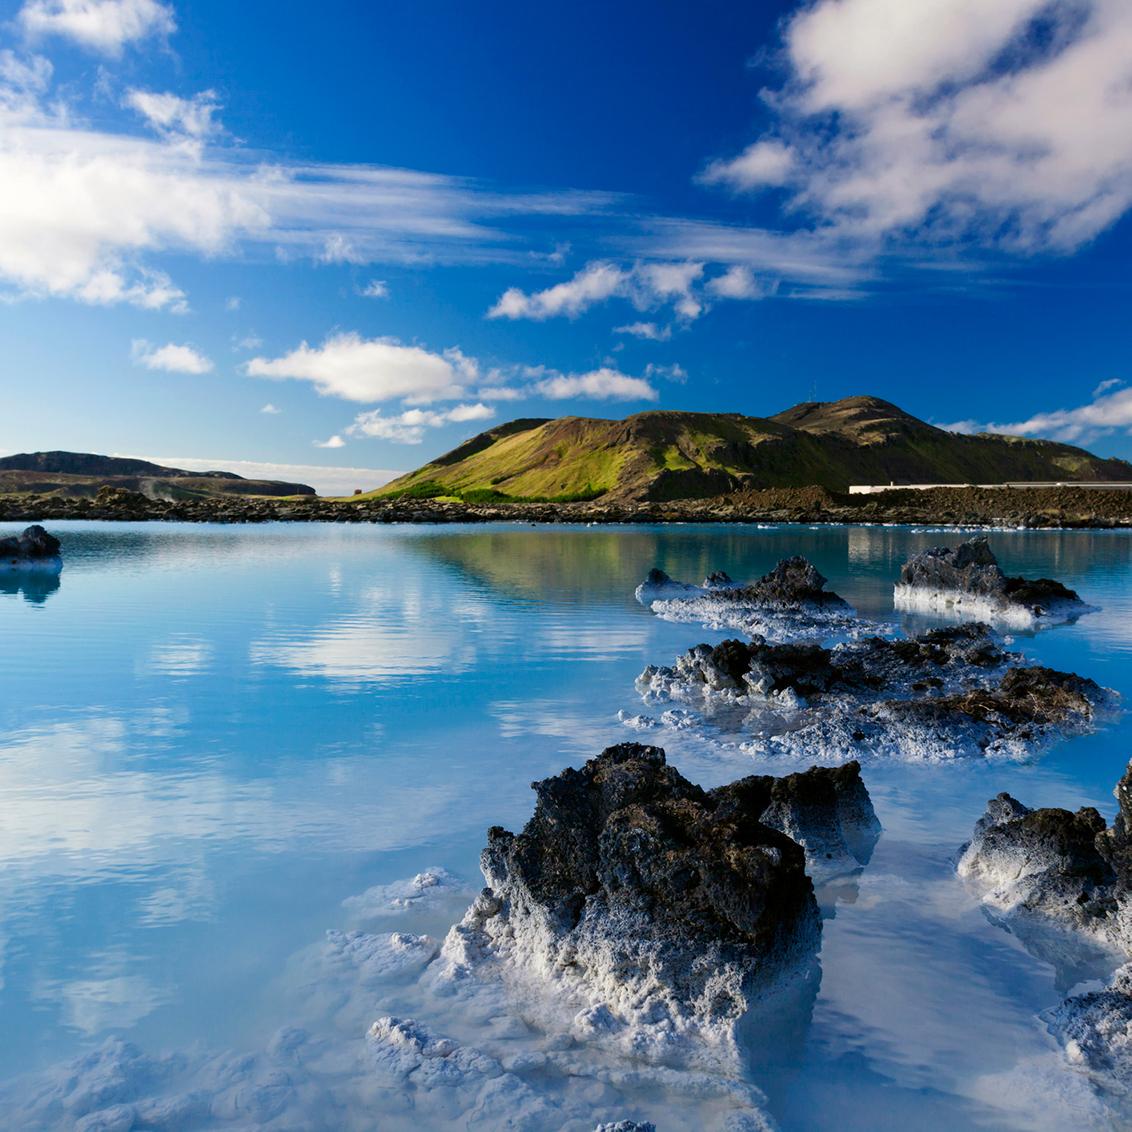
column 663, row 455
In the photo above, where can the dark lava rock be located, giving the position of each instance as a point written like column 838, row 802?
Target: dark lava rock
column 34, row 547
column 665, row 905
column 971, row 569
column 1068, row 867
column 1052, row 871
column 947, row 692
column 794, row 583
column 827, row 810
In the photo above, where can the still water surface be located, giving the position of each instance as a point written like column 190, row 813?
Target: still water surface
column 211, row 736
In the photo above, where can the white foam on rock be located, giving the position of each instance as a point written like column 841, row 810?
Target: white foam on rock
column 955, row 605
column 428, row 888
column 398, row 1072
column 1095, row 1029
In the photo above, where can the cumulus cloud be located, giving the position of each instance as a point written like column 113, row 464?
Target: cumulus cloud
column 760, row 165
column 171, row 357
column 645, row 285
column 409, row 427
column 173, row 116
column 371, row 369
column 106, row 26
column 953, row 121
column 375, row 289
column 331, row 442
column 739, row 282
column 604, row 384
column 271, row 410
column 1109, row 411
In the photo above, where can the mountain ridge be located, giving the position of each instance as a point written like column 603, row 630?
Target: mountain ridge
column 665, row 454
column 66, row 473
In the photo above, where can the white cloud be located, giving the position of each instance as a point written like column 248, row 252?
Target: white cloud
column 172, row 116
column 673, row 372
column 761, row 164
column 647, row 330
column 375, row 289
column 332, row 442
column 326, row 481
column 739, row 282
column 101, row 25
column 171, row 358
column 1109, row 411
column 954, row 121
column 595, row 283
column 598, row 385
column 409, row 427
column 645, row 285
column 501, row 393
column 271, row 410
column 86, row 210
column 232, row 303
column 370, row 369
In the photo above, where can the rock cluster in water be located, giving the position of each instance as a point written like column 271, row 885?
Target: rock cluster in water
column 34, row 548
column 661, row 907
column 790, row 601
column 948, row 691
column 1070, row 873
column 967, row 581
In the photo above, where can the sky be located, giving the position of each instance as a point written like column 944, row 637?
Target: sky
column 330, row 243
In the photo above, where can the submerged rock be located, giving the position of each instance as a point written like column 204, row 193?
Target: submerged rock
column 663, row 908
column 946, row 692
column 967, row 581
column 33, row 549
column 1070, row 869
column 789, row 601
column 1069, row 873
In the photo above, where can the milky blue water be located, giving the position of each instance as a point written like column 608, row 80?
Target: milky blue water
column 211, row 736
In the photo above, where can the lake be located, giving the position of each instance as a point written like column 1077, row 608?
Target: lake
column 213, row 736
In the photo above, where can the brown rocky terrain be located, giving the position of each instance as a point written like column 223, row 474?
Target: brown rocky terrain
column 1012, row 507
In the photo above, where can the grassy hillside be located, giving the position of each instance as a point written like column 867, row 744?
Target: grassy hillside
column 675, row 455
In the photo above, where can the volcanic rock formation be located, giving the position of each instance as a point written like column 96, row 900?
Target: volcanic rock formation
column 659, row 907
column 968, row 582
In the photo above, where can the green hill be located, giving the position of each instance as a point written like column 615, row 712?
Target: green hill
column 664, row 455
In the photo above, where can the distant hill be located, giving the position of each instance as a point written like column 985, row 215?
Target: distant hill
column 664, row 455
column 83, row 473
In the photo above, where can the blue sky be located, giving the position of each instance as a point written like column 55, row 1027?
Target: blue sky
column 350, row 237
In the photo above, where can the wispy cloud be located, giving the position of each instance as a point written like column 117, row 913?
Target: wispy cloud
column 1109, row 411
column 87, row 210
column 105, row 26
column 271, row 410
column 171, row 358
column 409, row 427
column 325, row 480
column 375, row 289
column 175, row 117
column 649, row 331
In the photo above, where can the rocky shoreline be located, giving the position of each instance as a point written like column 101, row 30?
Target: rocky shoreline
column 960, row 507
